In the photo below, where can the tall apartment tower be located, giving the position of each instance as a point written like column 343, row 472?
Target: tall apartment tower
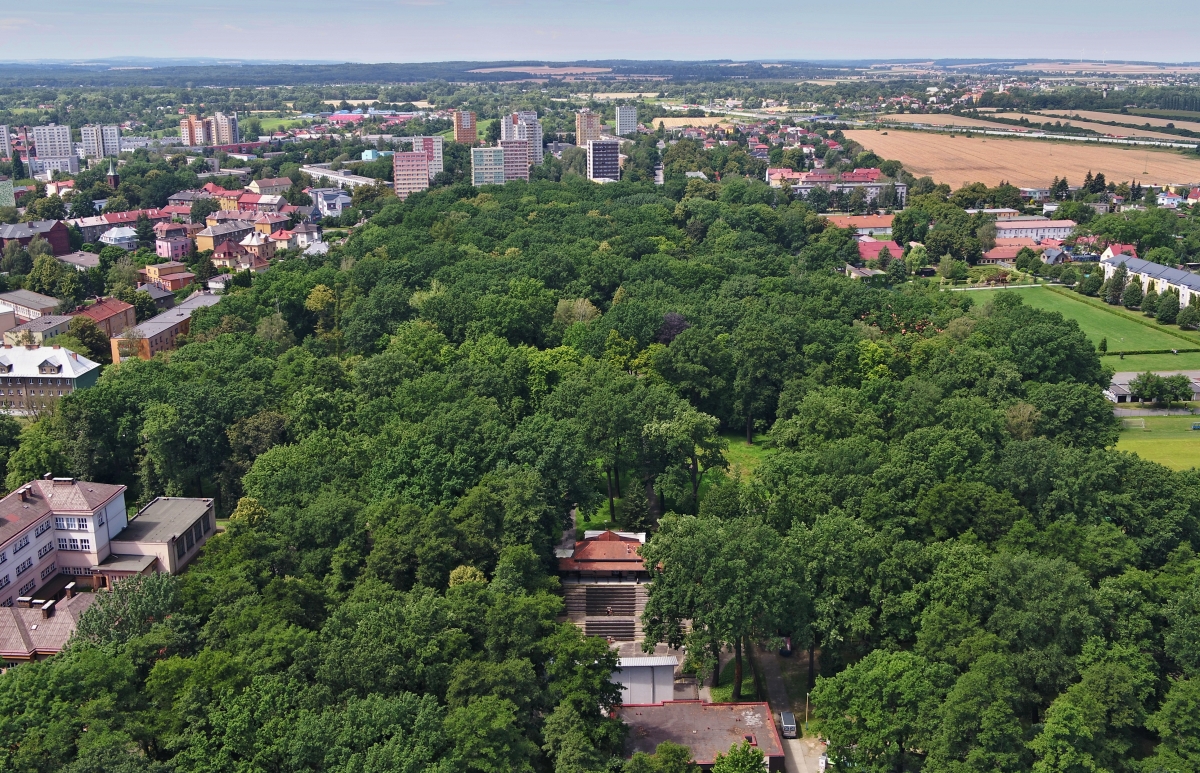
column 432, row 148
column 410, row 172
column 53, row 141
column 487, row 166
column 101, row 141
column 224, row 129
column 465, row 129
column 516, row 159
column 524, row 125
column 626, row 120
column 587, row 127
column 5, row 143
column 604, row 160
column 195, row 131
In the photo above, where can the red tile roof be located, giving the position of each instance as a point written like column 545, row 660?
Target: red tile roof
column 871, row 250
column 102, row 309
column 609, row 552
column 861, row 221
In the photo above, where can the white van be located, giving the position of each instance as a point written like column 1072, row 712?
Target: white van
column 787, row 721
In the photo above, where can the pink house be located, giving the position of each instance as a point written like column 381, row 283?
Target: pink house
column 171, row 240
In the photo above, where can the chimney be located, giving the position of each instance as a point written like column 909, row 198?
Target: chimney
column 24, row 601
column 69, row 590
column 48, row 608
column 48, row 476
column 23, row 493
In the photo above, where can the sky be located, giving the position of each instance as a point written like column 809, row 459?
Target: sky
column 571, row 30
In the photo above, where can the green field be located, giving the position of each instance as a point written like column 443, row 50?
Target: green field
column 743, row 458
column 1143, row 362
column 1123, row 329
column 1168, row 440
column 276, row 124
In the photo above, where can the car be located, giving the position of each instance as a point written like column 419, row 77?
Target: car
column 787, row 720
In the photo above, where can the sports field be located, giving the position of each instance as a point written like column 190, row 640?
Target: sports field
column 1168, row 440
column 956, row 160
column 1123, row 329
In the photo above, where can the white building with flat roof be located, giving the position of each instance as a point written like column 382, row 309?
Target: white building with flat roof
column 487, row 166
column 626, row 120
column 101, row 141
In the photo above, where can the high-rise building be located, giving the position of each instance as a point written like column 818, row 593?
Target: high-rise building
column 524, row 125
column 410, row 172
column 516, row 159
column 604, row 160
column 626, row 120
column 587, row 127
column 101, row 141
column 432, row 148
column 224, row 129
column 195, row 131
column 465, row 129
column 53, row 141
column 5, row 143
column 487, row 166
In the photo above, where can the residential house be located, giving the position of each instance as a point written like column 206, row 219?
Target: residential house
column 271, row 186
column 187, row 198
column 233, row 231
column 53, row 231
column 1155, row 275
column 1113, row 250
column 270, row 222
column 306, row 234
column 782, row 177
column 171, row 240
column 870, row 249
column 80, row 260
column 1169, row 200
column 111, row 315
column 35, row 377
column 160, row 333
column 854, row 272
column 330, row 201
column 36, row 331
column 163, row 299
column 229, row 216
column 171, row 275
column 27, row 304
column 93, row 227
column 1006, row 254
column 123, row 236
column 227, row 254
column 259, row 245
column 870, row 181
column 284, row 240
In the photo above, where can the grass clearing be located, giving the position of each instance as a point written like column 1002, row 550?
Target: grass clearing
column 743, row 457
column 723, row 693
column 956, row 160
column 1168, row 440
column 278, row 124
column 1141, row 363
column 1122, row 328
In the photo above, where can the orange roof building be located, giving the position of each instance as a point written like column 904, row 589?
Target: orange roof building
column 609, row 554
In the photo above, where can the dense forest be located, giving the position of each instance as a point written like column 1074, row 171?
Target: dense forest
column 399, row 430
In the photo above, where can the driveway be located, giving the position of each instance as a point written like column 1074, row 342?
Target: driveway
column 801, row 755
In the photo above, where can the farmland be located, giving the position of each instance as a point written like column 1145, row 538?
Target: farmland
column 943, row 120
column 979, row 123
column 1134, row 120
column 1100, row 128
column 959, row 160
column 1168, row 440
column 1123, row 330
column 675, row 123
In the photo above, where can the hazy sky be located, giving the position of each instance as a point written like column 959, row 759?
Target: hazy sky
column 434, row 30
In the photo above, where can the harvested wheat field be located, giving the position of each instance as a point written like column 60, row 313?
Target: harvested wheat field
column 942, row 120
column 676, row 123
column 1132, row 120
column 1029, row 163
column 1099, row 128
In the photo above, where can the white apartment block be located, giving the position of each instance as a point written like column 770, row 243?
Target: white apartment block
column 524, row 125
column 5, row 142
column 64, row 164
column 626, row 120
column 225, row 129
column 432, row 148
column 487, row 166
column 101, row 141
column 53, row 141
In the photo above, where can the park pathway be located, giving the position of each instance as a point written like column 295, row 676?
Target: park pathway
column 801, row 755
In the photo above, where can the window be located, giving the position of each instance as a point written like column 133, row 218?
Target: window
column 180, row 549
column 190, row 540
column 204, row 520
column 24, row 591
column 85, row 544
column 49, row 570
column 100, row 518
column 71, row 524
column 7, row 602
column 21, row 543
column 84, row 570
column 42, row 528
column 3, row 556
column 5, row 580
column 28, row 562
column 44, row 549
column 198, row 531
column 60, row 522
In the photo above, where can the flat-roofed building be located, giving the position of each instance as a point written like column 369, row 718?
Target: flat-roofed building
column 410, row 172
column 432, row 148
column 626, row 120
column 604, row 160
column 707, row 729
column 587, row 127
column 487, row 166
column 516, row 159
column 466, row 130
column 100, row 141
column 169, row 530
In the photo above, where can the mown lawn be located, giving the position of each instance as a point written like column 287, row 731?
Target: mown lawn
column 1143, row 362
column 1168, row 440
column 1122, row 328
column 743, row 457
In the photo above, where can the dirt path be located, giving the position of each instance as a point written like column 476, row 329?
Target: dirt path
column 801, row 755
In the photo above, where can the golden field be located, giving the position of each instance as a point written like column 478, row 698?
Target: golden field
column 1029, row 163
column 1117, row 131
column 1135, row 120
column 675, row 123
